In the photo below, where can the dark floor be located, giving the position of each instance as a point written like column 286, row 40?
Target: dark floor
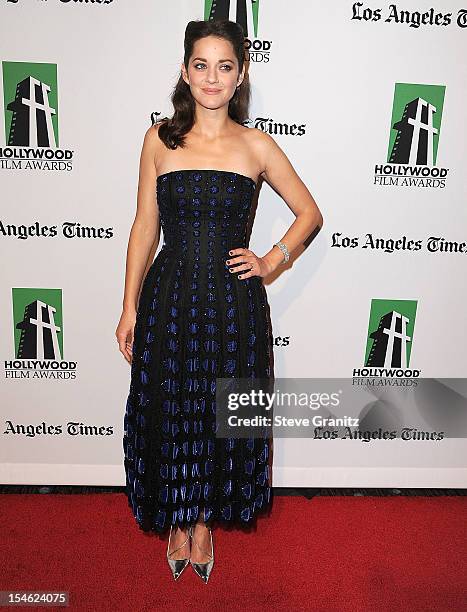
column 305, row 492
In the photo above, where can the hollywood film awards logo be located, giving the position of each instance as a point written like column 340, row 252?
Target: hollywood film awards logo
column 30, row 106
column 38, row 336
column 389, row 340
column 245, row 13
column 413, row 139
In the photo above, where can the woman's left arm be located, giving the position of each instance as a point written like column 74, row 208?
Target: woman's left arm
column 281, row 175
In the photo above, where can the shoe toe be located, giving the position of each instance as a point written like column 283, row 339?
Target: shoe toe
column 203, row 570
column 177, row 566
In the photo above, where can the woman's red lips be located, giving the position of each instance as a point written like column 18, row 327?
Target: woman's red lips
column 211, row 90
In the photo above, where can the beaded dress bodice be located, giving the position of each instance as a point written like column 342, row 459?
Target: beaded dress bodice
column 204, row 213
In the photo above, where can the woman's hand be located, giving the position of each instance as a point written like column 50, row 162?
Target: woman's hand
column 245, row 259
column 124, row 334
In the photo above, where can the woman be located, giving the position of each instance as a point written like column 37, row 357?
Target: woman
column 201, row 312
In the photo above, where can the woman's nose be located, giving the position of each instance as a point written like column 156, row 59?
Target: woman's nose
column 212, row 76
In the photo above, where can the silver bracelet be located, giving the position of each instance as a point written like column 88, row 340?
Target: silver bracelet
column 284, row 250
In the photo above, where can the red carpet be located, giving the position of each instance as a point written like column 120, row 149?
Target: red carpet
column 327, row 554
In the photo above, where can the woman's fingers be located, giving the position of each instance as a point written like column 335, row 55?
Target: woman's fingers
column 129, row 351
column 125, row 345
column 239, row 256
column 245, row 266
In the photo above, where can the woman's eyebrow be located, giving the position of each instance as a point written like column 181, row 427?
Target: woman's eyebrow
column 203, row 59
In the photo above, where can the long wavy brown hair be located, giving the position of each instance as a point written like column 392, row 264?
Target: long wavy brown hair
column 172, row 130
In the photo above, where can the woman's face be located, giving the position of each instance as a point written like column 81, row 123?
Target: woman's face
column 212, row 72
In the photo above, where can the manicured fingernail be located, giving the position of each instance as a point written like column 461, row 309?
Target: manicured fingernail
column 231, row 269
column 230, row 252
column 240, row 276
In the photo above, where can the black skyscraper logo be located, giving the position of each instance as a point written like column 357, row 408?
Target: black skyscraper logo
column 39, row 333
column 415, row 131
column 31, row 123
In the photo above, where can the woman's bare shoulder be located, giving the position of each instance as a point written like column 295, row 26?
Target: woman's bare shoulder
column 262, row 144
column 261, row 138
column 153, row 142
column 260, row 141
column 152, row 133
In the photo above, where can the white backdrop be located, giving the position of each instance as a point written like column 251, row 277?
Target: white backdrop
column 318, row 65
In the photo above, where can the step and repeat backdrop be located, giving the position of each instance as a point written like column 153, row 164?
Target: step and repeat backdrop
column 367, row 99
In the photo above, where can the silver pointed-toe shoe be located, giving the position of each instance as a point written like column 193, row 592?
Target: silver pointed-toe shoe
column 177, row 565
column 203, row 569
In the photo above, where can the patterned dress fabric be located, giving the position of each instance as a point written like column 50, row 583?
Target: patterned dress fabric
column 196, row 321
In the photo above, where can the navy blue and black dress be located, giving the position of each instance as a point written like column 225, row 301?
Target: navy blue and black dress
column 196, row 321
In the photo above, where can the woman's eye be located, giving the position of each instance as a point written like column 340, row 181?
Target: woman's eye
column 223, row 66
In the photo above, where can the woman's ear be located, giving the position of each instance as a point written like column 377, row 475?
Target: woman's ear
column 184, row 74
column 241, row 76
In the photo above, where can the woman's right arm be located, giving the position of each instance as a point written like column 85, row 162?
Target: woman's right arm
column 143, row 240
